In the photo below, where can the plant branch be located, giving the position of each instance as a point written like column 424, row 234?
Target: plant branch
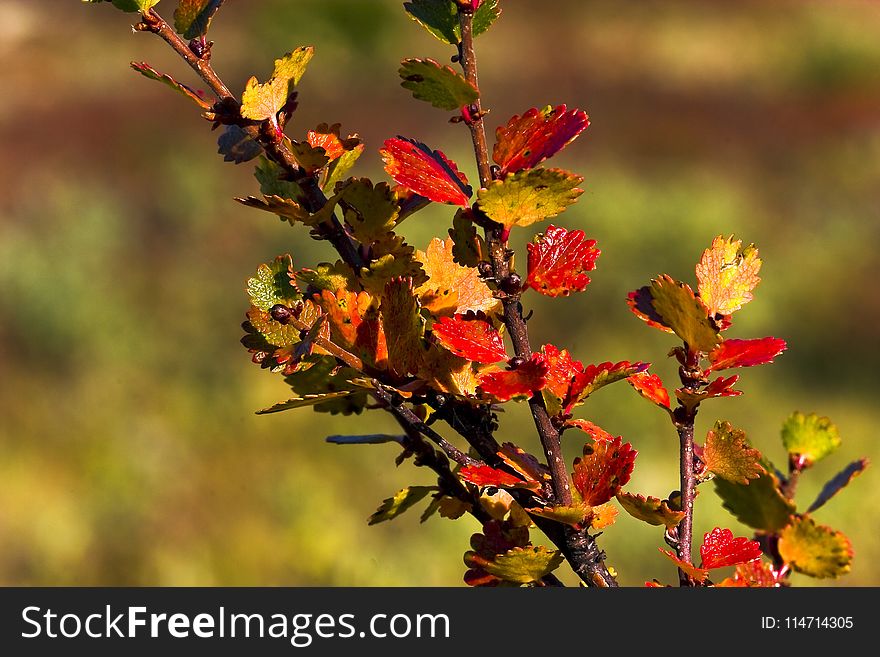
column 578, row 546
column 684, row 418
column 275, row 149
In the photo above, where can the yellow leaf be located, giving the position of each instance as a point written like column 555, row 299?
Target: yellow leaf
column 531, row 195
column 815, row 550
column 452, row 288
column 727, row 274
column 684, row 313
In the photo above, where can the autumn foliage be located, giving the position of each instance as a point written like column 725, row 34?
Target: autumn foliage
column 435, row 334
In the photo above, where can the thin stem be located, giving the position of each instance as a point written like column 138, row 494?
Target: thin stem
column 578, row 546
column 513, row 319
column 684, row 418
column 688, row 488
column 314, row 199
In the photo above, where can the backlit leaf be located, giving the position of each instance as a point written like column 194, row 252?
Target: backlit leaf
column 274, row 284
column 809, row 437
column 603, row 470
column 720, row 548
column 604, row 515
column 576, row 515
column 470, row 336
column 745, row 353
column 306, row 400
column 326, row 376
column 752, row 574
column 559, row 260
column 440, row 17
column 263, row 101
column 720, row 387
column 529, row 196
column 437, row 84
column 759, row 504
column 523, row 565
column 838, row 482
column 594, row 377
column 815, row 550
column 354, row 323
column 428, row 173
column 651, row 510
column 698, row 574
column 403, row 325
column 400, row 502
column 327, row 276
column 563, row 369
column 131, row 5
column 595, row 432
column 452, row 288
column 727, row 453
column 193, row 17
column 149, row 72
column 684, row 313
column 519, row 381
column 727, row 275
column 484, row 475
column 650, row 386
column 528, row 140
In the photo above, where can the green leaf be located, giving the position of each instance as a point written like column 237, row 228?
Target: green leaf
column 809, row 437
column 759, row 505
column 529, row 196
column 337, row 169
column 685, row 313
column 400, row 502
column 326, row 276
column 262, row 101
column 370, row 211
column 270, row 177
column 149, row 72
column 131, row 6
column 727, row 454
column 306, row 400
column 326, row 377
column 440, row 17
column 815, row 550
column 651, row 510
column 838, row 482
column 523, row 565
column 274, row 284
column 437, row 84
column 193, row 17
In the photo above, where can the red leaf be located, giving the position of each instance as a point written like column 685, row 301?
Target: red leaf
column 563, row 369
column 594, row 430
column 528, row 140
column 720, row 549
column 427, row 173
column 594, row 377
column 523, row 380
column 641, row 303
column 485, row 475
column 699, row 574
column 745, row 353
column 651, row 388
column 605, row 467
column 558, row 260
column 722, row 387
column 470, row 336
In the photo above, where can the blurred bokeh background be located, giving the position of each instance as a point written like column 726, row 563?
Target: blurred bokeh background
column 129, row 451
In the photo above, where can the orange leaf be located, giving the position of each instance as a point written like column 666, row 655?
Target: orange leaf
column 605, row 467
column 522, row 380
column 727, row 275
column 558, row 262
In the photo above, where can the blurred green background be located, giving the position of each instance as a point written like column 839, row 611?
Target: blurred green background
column 129, row 451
